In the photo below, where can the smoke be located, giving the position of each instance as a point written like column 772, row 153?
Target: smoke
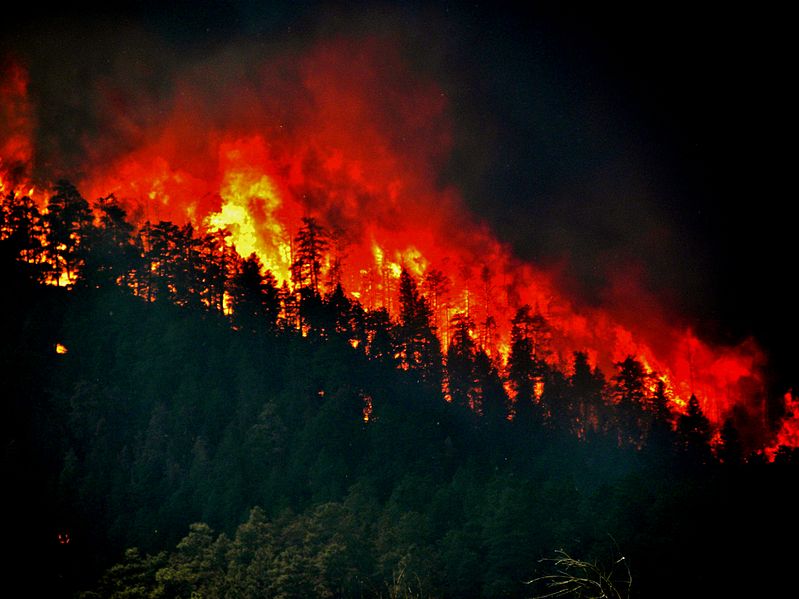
column 433, row 136
column 16, row 151
column 503, row 108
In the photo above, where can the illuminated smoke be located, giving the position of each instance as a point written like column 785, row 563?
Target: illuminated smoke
column 347, row 133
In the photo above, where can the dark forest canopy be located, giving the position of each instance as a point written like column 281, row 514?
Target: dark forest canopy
column 253, row 440
column 94, row 248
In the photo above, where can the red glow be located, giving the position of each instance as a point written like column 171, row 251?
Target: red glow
column 347, row 134
column 16, row 129
column 788, row 434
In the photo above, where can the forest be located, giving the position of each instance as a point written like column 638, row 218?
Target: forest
column 177, row 424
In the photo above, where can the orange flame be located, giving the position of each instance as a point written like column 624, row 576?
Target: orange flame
column 16, row 130
column 363, row 159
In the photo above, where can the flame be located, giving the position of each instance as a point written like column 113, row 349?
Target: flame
column 538, row 389
column 367, row 408
column 60, row 348
column 16, row 130
column 788, row 434
column 299, row 138
column 250, row 208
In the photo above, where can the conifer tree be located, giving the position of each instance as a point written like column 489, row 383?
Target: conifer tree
column 68, row 221
column 420, row 348
column 311, row 243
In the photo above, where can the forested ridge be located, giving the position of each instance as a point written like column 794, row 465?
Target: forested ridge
column 176, row 424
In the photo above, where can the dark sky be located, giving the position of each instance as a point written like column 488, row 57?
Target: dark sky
column 603, row 139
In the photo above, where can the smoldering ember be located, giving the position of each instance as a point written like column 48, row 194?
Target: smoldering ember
column 389, row 303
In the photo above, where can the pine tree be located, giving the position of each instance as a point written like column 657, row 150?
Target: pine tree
column 730, row 451
column 587, row 386
column 68, row 222
column 693, row 433
column 380, row 336
column 216, row 264
column 253, row 296
column 111, row 257
column 461, row 364
column 420, row 348
column 631, row 397
column 21, row 227
column 436, row 286
column 526, row 365
column 311, row 243
column 493, row 398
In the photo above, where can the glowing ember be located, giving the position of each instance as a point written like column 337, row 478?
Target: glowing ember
column 367, row 408
column 538, row 389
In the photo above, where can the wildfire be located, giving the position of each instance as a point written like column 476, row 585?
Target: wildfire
column 16, row 130
column 788, row 435
column 363, row 162
column 249, row 210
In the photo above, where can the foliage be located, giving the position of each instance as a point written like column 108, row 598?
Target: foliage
column 306, row 443
column 580, row 579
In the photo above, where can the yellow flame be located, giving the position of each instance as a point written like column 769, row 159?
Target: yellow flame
column 378, row 254
column 411, row 258
column 60, row 349
column 504, row 351
column 395, row 268
column 62, row 280
column 414, row 261
column 245, row 192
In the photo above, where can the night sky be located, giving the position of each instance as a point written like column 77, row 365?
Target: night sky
column 650, row 140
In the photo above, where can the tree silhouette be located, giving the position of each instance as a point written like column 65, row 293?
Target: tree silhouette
column 346, row 316
column 111, row 256
column 380, row 336
column 492, row 396
column 21, row 227
column 254, row 298
column 436, row 286
column 163, row 413
column 461, row 374
column 526, row 365
column 310, row 245
column 67, row 223
column 171, row 266
column 693, row 433
column 587, row 387
column 216, row 262
column 419, row 346
column 730, row 451
column 631, row 397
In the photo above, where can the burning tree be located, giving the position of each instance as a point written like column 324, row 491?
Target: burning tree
column 311, row 244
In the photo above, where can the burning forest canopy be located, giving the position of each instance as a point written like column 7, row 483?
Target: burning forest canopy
column 350, row 131
column 464, row 206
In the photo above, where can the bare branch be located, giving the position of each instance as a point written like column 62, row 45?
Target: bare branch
column 584, row 580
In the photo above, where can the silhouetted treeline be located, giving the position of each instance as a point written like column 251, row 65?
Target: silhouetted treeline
column 158, row 384
column 95, row 248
